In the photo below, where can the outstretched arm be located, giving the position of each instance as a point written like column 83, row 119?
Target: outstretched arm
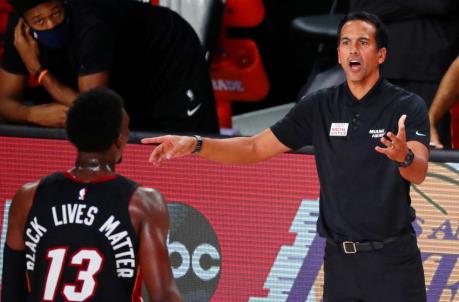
column 151, row 221
column 14, row 286
column 447, row 94
column 232, row 150
column 397, row 150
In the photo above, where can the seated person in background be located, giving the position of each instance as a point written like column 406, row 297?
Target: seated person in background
column 424, row 40
column 447, row 94
column 148, row 54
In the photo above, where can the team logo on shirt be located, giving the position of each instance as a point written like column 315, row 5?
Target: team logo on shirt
column 420, row 133
column 377, row 133
column 193, row 105
column 82, row 194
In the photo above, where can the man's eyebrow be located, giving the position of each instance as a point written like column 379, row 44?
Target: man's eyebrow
column 36, row 16
column 54, row 8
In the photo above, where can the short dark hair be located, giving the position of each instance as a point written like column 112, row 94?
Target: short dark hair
column 381, row 30
column 94, row 120
column 22, row 6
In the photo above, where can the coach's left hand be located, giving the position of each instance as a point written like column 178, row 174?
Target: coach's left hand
column 396, row 147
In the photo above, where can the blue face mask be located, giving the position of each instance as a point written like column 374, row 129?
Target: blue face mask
column 56, row 38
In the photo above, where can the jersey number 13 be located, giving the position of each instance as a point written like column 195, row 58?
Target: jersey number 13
column 89, row 262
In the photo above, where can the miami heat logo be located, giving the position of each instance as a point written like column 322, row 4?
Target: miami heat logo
column 82, row 194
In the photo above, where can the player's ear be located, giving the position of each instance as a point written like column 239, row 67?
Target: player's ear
column 119, row 141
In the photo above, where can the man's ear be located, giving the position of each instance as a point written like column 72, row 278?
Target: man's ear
column 382, row 53
column 119, row 141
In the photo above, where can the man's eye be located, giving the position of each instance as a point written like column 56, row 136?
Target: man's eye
column 56, row 14
column 39, row 22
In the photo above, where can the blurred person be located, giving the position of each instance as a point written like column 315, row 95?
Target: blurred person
column 89, row 233
column 447, row 95
column 370, row 140
column 423, row 40
column 148, row 54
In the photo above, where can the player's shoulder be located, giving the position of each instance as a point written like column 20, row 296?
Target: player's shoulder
column 27, row 189
column 22, row 200
column 149, row 200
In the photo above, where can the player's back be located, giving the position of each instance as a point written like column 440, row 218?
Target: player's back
column 80, row 242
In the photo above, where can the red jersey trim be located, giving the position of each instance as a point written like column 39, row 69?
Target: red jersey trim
column 105, row 178
column 137, row 291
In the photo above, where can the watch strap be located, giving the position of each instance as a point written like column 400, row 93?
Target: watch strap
column 198, row 146
column 408, row 159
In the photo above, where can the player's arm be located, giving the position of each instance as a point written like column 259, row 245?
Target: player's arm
column 66, row 95
column 232, row 150
column 151, row 221
column 447, row 94
column 11, row 93
column 12, row 87
column 14, row 283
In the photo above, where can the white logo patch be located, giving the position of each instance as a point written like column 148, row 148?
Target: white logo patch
column 377, row 133
column 190, row 94
column 420, row 134
column 193, row 111
column 82, row 194
column 339, row 129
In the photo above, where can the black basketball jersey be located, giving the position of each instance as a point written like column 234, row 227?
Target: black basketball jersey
column 80, row 242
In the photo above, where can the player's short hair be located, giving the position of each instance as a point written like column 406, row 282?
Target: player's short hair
column 94, row 120
column 21, row 6
column 381, row 36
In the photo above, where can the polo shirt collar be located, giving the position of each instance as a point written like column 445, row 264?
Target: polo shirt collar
column 368, row 99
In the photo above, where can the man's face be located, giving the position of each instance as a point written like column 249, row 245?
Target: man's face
column 358, row 53
column 46, row 15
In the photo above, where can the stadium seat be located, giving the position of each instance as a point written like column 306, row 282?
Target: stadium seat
column 323, row 29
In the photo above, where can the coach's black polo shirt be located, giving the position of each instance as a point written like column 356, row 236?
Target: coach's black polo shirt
column 362, row 194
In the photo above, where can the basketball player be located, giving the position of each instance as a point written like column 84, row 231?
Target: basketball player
column 89, row 234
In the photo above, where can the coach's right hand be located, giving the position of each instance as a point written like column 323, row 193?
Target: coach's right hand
column 170, row 146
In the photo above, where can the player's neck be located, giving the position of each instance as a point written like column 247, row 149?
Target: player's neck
column 90, row 165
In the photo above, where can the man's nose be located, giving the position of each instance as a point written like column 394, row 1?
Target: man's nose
column 50, row 24
column 353, row 48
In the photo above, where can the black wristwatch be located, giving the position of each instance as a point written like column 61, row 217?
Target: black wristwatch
column 408, row 159
column 198, row 146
